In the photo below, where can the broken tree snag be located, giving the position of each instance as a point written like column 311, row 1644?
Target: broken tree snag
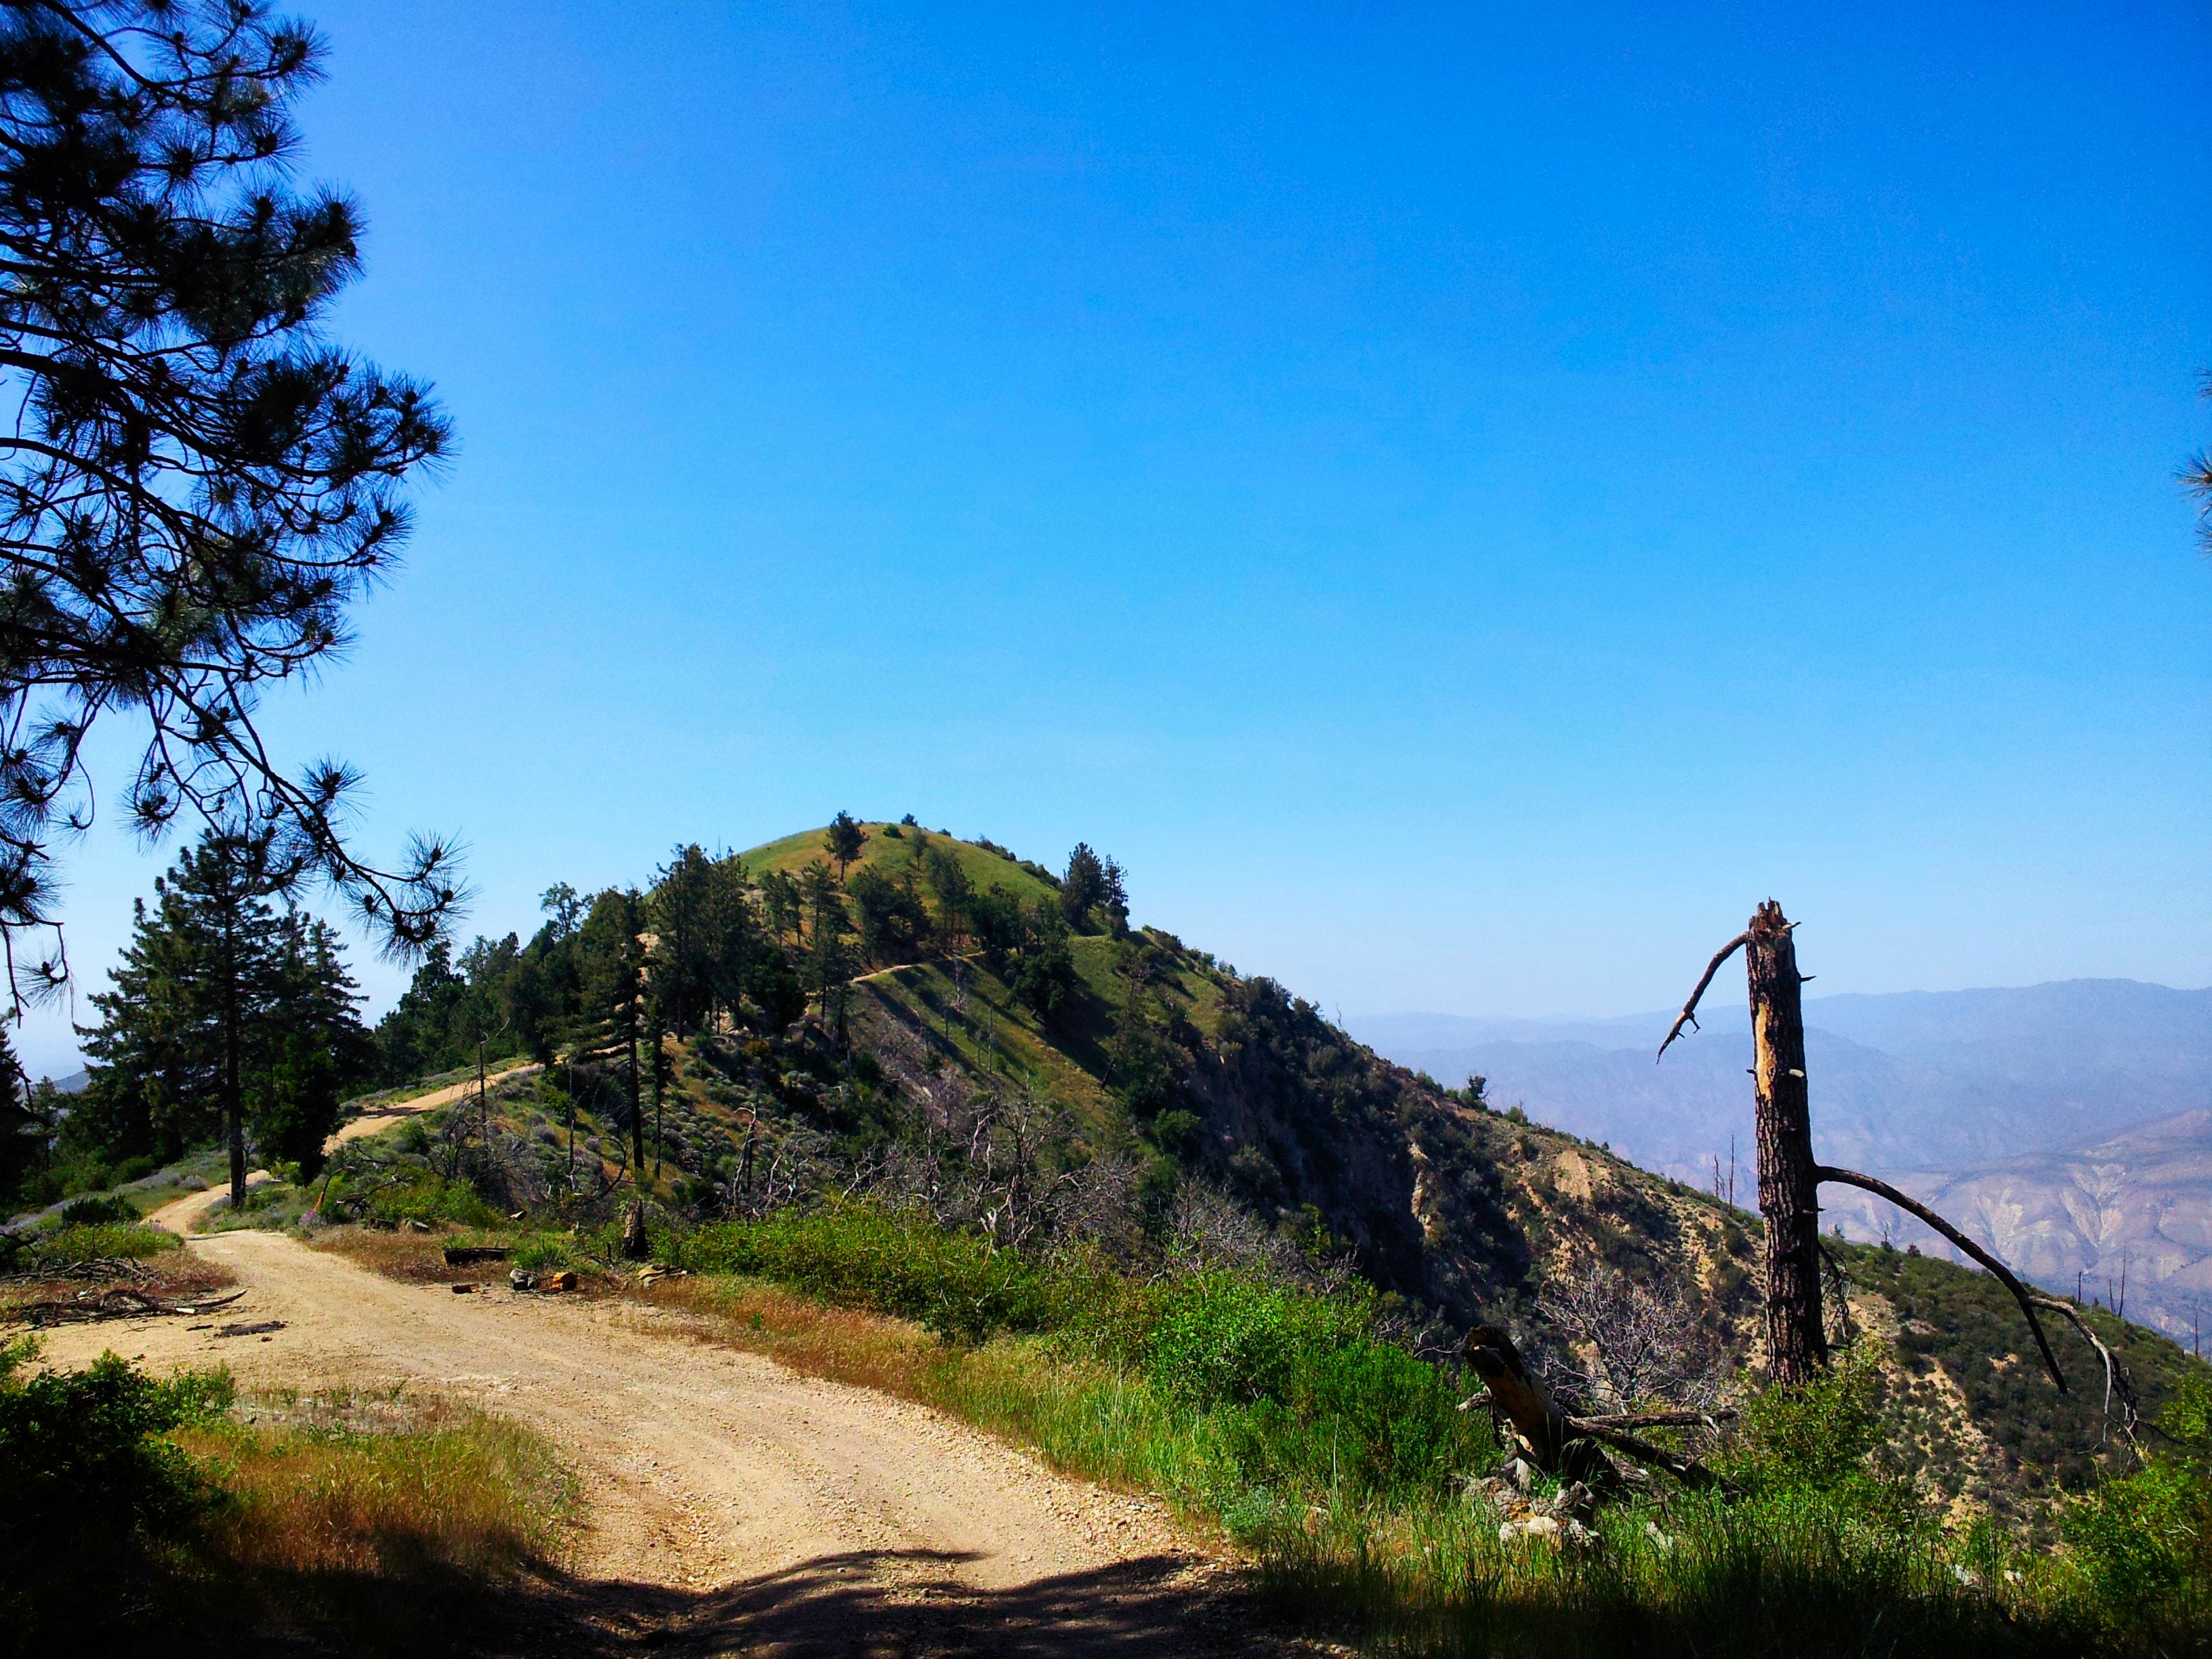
column 1789, row 1189
column 2004, row 1274
column 634, row 1245
column 1788, row 1196
column 1568, row 1446
column 1519, row 1393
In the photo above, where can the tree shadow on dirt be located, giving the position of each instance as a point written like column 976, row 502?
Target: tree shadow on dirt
column 905, row 1604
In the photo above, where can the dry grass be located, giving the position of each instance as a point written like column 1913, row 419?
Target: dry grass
column 411, row 1257
column 383, row 1484
column 869, row 1350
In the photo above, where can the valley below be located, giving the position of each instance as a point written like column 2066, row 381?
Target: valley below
column 2068, row 1125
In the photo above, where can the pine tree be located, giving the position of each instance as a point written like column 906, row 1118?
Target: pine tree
column 612, row 965
column 842, row 841
column 1084, row 885
column 1113, row 898
column 223, row 1012
column 829, row 963
column 200, row 482
column 314, row 1046
column 183, row 1026
column 23, row 1136
column 704, row 936
column 948, row 879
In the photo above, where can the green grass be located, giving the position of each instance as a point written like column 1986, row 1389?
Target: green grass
column 891, row 854
column 1338, row 1460
column 273, row 1206
column 1278, row 1388
column 67, row 1246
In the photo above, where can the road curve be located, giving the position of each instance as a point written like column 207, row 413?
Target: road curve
column 785, row 1514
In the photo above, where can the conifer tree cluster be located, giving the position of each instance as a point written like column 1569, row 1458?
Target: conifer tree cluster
column 231, row 1016
column 227, row 1017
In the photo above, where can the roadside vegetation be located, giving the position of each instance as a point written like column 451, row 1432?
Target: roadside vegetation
column 1341, row 1463
column 132, row 1509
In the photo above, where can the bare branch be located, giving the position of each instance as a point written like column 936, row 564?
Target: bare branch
column 1707, row 1419
column 1685, row 1469
column 2117, row 1380
column 1689, row 1015
column 1913, row 1206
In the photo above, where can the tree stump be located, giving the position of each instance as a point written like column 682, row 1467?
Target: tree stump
column 634, row 1245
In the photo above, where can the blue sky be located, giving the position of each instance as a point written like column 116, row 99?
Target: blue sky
column 1462, row 503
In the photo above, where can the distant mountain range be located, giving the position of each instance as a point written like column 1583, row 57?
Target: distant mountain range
column 2069, row 1124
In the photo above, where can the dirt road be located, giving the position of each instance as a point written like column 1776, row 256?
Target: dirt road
column 375, row 1120
column 735, row 1506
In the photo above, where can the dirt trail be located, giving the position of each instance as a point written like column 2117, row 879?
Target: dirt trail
column 733, row 1506
column 181, row 1215
column 377, row 1119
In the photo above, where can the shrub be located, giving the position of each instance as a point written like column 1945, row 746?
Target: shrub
column 2144, row 1541
column 1815, row 1437
column 861, row 1257
column 133, row 1240
column 81, row 1457
column 421, row 1195
column 92, row 1212
column 1225, row 1339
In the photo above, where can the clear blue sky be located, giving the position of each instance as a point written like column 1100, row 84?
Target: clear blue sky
column 1463, row 504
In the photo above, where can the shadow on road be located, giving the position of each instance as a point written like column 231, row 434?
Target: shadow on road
column 907, row 1604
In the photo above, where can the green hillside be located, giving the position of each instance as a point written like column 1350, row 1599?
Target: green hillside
column 1462, row 1212
column 1012, row 1061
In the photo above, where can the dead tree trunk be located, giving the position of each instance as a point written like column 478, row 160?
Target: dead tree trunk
column 1790, row 1178
column 1519, row 1393
column 1788, row 1185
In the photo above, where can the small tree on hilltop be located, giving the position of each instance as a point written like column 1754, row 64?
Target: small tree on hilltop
column 1113, row 898
column 1084, row 885
column 842, row 841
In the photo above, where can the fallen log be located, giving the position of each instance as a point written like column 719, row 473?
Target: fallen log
column 1564, row 1445
column 463, row 1255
